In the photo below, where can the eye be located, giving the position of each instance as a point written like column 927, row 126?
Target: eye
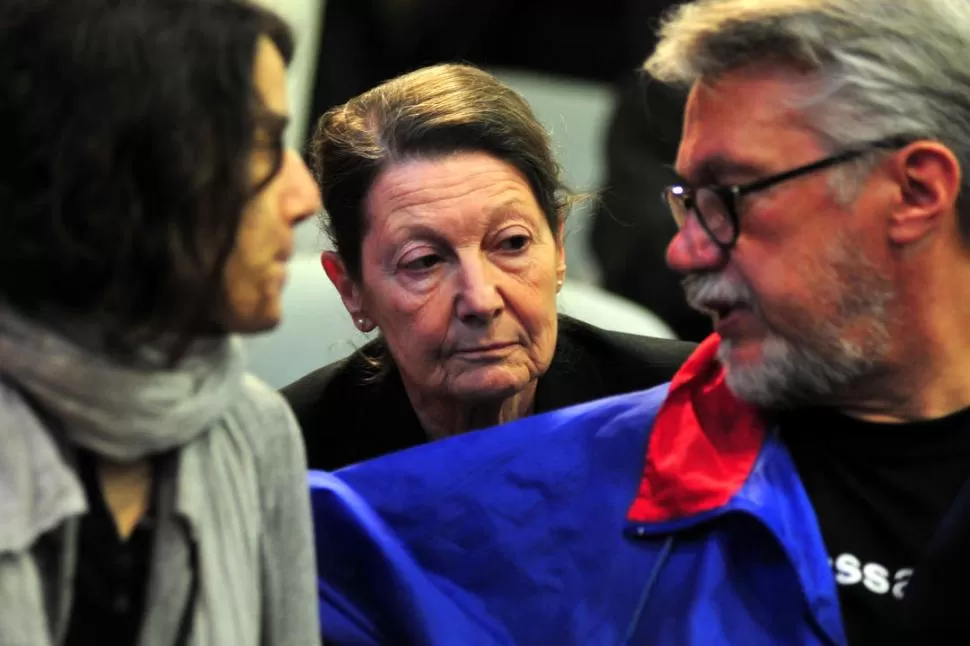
column 514, row 243
column 267, row 165
column 421, row 263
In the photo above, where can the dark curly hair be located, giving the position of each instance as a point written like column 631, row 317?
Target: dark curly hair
column 126, row 130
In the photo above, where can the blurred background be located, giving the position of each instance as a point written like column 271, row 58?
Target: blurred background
column 615, row 135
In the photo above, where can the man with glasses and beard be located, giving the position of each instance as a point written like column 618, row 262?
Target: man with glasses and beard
column 806, row 471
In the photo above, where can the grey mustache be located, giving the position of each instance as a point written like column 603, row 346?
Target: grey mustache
column 706, row 291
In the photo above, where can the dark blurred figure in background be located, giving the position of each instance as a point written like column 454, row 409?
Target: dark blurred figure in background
column 369, row 41
column 631, row 225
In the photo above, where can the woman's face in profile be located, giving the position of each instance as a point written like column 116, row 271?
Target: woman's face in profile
column 460, row 271
column 256, row 268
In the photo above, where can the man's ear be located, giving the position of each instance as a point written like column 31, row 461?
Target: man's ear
column 348, row 289
column 929, row 176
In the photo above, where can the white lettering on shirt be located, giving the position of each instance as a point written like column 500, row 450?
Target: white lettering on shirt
column 849, row 569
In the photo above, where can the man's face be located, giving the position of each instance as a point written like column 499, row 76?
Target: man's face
column 801, row 300
column 256, row 269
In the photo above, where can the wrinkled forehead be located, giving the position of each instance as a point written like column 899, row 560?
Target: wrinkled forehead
column 464, row 190
column 745, row 117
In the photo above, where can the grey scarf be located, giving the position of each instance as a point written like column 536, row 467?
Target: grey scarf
column 122, row 412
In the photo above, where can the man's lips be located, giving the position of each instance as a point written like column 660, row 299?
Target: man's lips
column 721, row 308
column 730, row 318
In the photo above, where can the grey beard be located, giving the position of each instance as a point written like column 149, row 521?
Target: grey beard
column 790, row 375
column 808, row 361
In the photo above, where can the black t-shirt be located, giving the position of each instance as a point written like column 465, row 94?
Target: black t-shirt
column 880, row 491
column 112, row 573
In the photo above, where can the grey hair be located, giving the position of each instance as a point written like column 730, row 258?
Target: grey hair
column 884, row 67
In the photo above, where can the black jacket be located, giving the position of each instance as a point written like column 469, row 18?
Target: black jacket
column 348, row 415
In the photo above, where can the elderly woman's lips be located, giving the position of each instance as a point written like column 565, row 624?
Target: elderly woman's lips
column 485, row 350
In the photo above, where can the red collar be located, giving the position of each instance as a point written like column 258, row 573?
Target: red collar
column 703, row 445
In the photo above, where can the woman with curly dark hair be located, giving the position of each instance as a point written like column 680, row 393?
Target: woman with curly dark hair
column 151, row 492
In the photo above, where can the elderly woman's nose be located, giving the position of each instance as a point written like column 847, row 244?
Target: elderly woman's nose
column 478, row 297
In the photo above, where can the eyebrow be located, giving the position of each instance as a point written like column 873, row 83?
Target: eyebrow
column 423, row 230
column 713, row 169
column 513, row 203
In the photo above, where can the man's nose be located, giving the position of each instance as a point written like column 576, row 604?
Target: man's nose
column 692, row 250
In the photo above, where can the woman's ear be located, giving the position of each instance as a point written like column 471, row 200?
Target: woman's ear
column 348, row 289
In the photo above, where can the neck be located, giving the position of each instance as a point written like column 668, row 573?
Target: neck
column 445, row 417
column 127, row 492
column 927, row 375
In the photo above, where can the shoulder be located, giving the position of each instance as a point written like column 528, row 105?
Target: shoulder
column 332, row 387
column 306, row 393
column 590, row 439
column 627, row 410
column 262, row 417
column 354, row 410
column 261, row 404
column 616, row 361
column 661, row 353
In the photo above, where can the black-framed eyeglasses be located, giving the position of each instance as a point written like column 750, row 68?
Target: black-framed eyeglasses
column 716, row 205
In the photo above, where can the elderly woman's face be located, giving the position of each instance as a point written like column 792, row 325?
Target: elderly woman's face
column 460, row 272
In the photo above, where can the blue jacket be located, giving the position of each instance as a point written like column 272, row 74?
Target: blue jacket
column 557, row 530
